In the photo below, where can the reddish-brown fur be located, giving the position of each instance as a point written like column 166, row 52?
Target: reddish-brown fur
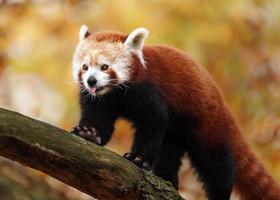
column 113, row 76
column 107, row 36
column 188, row 88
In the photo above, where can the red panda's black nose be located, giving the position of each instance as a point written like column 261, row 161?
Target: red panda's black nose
column 91, row 81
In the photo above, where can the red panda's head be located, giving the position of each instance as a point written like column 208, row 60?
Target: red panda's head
column 106, row 60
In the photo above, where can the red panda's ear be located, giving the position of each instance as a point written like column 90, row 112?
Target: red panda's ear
column 83, row 32
column 135, row 40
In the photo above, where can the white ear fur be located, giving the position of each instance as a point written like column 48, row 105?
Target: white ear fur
column 135, row 40
column 83, row 32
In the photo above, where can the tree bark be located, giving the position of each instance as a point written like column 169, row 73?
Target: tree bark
column 88, row 167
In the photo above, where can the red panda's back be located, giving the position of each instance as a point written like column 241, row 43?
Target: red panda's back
column 184, row 84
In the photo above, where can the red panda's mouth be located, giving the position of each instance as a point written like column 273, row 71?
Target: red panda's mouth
column 94, row 91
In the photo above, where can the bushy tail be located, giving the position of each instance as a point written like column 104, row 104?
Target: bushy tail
column 252, row 181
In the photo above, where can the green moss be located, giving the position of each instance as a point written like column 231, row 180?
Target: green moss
column 154, row 188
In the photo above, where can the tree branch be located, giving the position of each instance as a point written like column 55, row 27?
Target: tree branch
column 90, row 168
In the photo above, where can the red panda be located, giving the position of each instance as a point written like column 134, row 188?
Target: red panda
column 176, row 108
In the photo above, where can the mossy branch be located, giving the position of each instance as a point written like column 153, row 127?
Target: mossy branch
column 90, row 168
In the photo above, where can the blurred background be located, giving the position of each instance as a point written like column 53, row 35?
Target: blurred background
column 238, row 41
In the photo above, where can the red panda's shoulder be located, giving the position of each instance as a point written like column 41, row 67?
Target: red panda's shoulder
column 166, row 52
column 174, row 72
column 167, row 58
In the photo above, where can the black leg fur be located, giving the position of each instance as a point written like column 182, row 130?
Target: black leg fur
column 168, row 162
column 149, row 115
column 215, row 168
column 99, row 114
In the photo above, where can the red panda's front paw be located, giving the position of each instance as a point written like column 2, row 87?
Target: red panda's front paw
column 88, row 133
column 137, row 160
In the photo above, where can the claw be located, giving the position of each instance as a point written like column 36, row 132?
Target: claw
column 138, row 160
column 146, row 166
column 88, row 133
column 128, row 156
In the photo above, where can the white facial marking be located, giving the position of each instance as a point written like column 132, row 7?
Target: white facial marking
column 94, row 53
column 121, row 60
column 101, row 59
column 101, row 77
column 121, row 68
column 118, row 55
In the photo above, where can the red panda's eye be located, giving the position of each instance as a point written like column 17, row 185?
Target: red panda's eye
column 85, row 67
column 104, row 67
